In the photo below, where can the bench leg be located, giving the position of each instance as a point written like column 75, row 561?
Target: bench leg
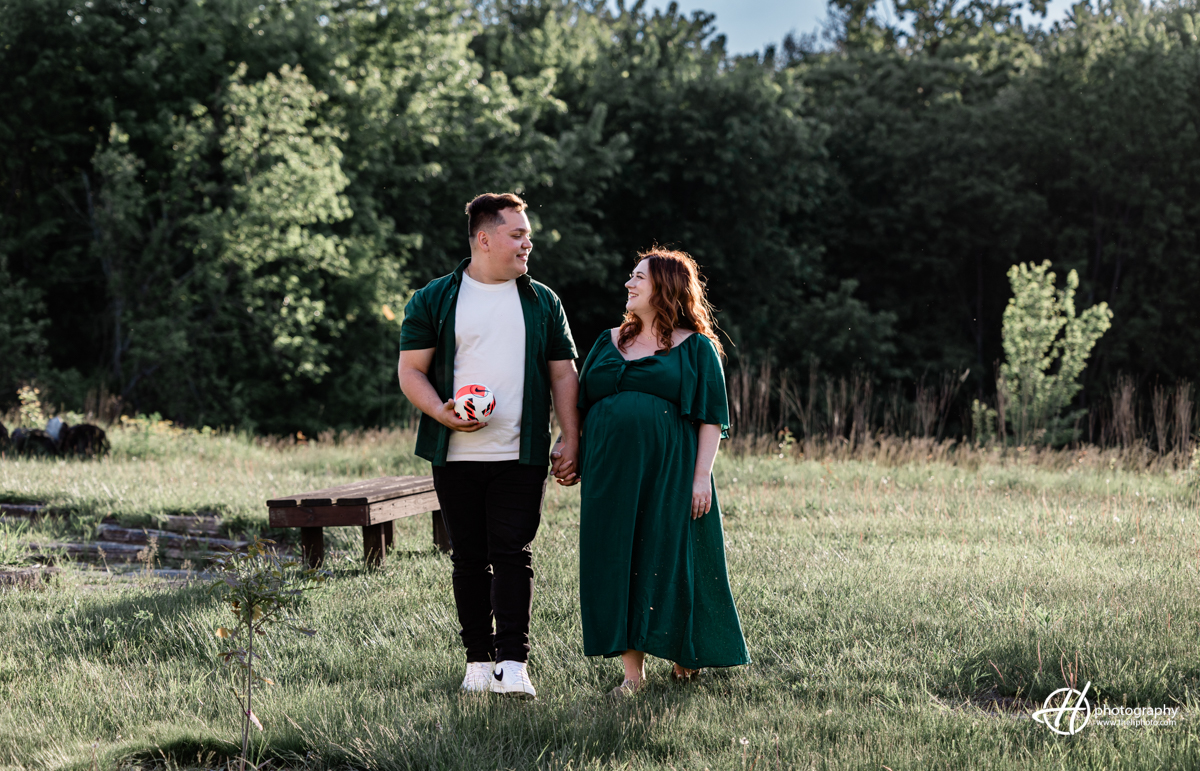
column 389, row 534
column 312, row 546
column 441, row 536
column 373, row 545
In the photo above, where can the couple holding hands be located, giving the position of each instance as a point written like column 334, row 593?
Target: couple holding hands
column 641, row 423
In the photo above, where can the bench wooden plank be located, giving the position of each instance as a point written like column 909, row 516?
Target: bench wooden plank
column 372, row 504
column 398, row 508
column 357, row 493
column 318, row 516
column 387, row 492
column 355, row 516
column 327, row 493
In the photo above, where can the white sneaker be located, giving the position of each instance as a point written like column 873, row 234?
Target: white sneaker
column 479, row 677
column 511, row 678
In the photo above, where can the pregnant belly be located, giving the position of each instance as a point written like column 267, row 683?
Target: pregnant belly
column 631, row 427
column 629, row 409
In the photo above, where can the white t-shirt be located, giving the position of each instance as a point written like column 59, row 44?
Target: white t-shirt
column 489, row 339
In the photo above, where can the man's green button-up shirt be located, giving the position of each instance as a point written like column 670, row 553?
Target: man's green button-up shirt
column 429, row 323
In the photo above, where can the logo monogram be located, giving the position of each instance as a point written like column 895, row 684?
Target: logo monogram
column 1051, row 713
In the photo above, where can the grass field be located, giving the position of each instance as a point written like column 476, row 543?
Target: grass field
column 898, row 617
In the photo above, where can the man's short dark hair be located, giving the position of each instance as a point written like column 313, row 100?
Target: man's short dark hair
column 484, row 210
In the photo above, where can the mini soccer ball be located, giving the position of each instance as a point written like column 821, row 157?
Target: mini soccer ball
column 474, row 402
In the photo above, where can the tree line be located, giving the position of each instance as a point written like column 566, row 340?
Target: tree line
column 215, row 209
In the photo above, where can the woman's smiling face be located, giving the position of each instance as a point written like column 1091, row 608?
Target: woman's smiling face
column 640, row 289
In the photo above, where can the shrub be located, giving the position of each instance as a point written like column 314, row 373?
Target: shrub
column 1046, row 347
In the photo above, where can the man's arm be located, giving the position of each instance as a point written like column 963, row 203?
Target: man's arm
column 564, row 387
column 413, row 370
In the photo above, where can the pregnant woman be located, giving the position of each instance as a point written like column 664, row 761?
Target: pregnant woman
column 652, row 553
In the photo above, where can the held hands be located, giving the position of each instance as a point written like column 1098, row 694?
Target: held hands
column 701, row 496
column 449, row 419
column 563, row 463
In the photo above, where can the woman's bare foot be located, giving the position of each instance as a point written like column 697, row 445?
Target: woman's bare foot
column 626, row 689
column 683, row 674
column 635, row 667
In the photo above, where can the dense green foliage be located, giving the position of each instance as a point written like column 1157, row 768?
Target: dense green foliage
column 208, row 206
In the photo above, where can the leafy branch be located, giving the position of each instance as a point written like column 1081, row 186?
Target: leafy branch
column 261, row 589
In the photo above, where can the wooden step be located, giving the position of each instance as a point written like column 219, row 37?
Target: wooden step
column 27, row 510
column 117, row 551
column 197, row 525
column 108, row 532
column 200, row 524
column 113, row 551
column 27, row 576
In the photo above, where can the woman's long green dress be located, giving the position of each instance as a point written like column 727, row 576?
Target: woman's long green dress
column 651, row 578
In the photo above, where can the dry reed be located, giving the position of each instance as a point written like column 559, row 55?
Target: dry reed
column 840, row 418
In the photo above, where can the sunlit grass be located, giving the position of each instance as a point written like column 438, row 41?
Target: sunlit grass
column 156, row 471
column 883, row 607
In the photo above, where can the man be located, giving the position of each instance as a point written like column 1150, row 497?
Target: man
column 488, row 323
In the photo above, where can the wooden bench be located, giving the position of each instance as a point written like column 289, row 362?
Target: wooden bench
column 373, row 505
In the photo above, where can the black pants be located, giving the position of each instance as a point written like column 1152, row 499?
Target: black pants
column 492, row 512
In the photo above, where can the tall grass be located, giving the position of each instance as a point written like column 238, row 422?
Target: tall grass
column 825, row 416
column 157, row 469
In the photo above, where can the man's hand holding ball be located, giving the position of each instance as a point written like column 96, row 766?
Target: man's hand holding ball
column 470, row 403
column 450, row 419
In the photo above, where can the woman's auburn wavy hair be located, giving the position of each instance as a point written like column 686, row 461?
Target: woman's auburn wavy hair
column 679, row 301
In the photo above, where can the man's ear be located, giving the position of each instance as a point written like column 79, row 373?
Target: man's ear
column 481, row 239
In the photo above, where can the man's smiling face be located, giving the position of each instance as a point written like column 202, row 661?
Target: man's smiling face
column 509, row 245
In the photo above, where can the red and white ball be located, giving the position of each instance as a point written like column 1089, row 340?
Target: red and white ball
column 474, row 402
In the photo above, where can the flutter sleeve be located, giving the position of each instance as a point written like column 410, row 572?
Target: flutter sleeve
column 584, row 403
column 702, row 394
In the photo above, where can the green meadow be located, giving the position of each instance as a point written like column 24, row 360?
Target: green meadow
column 899, row 616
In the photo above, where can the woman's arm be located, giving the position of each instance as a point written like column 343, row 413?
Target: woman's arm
column 564, row 385
column 706, row 453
